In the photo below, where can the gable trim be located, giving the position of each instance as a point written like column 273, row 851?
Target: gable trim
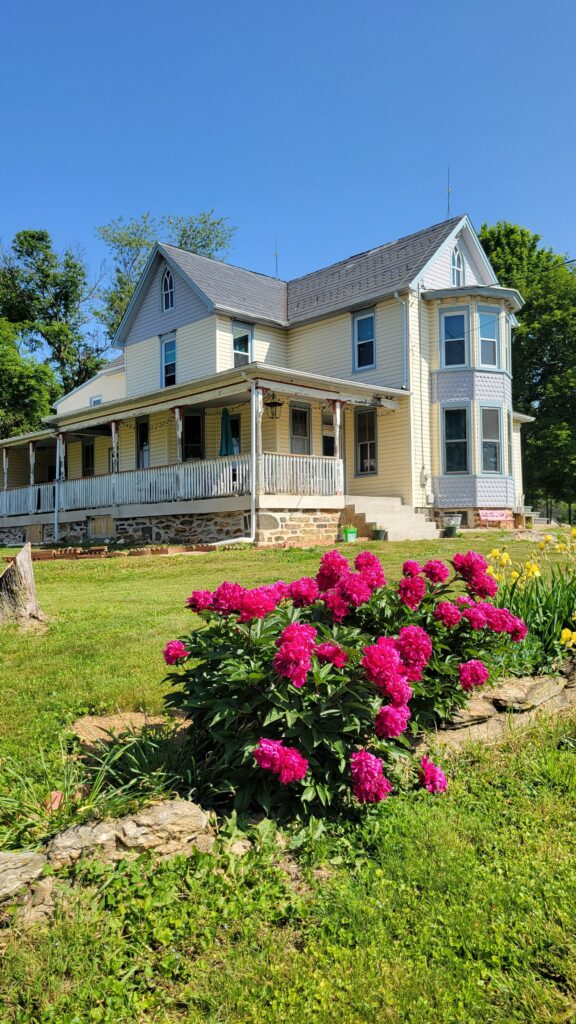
column 449, row 242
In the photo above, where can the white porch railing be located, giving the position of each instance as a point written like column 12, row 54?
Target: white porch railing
column 187, row 481
column 301, row 474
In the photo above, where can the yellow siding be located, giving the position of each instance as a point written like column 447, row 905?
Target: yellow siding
column 110, row 386
column 326, row 347
column 102, row 445
column 127, row 444
column 74, row 460
column 420, row 345
column 18, row 467
column 394, row 474
column 195, row 357
column 270, row 345
column 143, row 366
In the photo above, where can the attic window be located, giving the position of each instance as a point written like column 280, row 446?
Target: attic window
column 167, row 291
column 457, row 268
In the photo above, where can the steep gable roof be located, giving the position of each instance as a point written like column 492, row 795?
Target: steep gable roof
column 230, row 288
column 367, row 276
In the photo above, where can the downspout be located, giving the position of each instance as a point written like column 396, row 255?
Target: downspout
column 253, row 477
column 405, row 340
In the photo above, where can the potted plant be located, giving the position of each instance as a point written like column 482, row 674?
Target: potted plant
column 349, row 533
column 378, row 532
column 450, row 525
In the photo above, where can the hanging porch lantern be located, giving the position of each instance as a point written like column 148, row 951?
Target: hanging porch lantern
column 273, row 405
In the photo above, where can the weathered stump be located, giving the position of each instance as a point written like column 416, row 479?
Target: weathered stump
column 18, row 599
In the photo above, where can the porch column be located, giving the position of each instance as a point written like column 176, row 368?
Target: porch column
column 61, row 457
column 32, row 458
column 114, row 430
column 337, row 409
column 259, row 467
column 178, row 425
column 5, row 464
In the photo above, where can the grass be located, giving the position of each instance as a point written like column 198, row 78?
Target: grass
column 449, row 910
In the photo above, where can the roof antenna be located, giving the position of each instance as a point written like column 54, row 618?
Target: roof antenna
column 276, row 253
column 448, row 194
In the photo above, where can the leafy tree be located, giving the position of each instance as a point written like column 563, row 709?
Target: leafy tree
column 544, row 354
column 130, row 242
column 45, row 296
column 28, row 388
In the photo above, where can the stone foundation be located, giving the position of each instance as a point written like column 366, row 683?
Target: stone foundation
column 295, row 528
column 183, row 529
column 12, row 536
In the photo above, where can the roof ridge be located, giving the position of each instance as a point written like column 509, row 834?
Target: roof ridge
column 376, row 248
column 222, row 263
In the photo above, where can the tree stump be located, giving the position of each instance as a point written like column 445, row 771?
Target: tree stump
column 18, row 599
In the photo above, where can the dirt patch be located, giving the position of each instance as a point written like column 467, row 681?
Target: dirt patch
column 92, row 730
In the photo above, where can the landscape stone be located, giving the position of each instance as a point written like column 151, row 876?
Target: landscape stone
column 18, row 869
column 168, row 827
column 528, row 692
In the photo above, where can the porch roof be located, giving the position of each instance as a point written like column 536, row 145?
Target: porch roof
column 220, row 388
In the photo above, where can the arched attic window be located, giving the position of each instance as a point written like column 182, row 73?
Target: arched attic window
column 457, row 268
column 167, row 290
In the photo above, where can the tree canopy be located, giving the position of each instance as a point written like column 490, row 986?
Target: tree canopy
column 28, row 388
column 544, row 354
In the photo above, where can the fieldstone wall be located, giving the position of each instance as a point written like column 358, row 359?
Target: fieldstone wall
column 12, row 536
column 68, row 533
column 182, row 529
column 294, row 528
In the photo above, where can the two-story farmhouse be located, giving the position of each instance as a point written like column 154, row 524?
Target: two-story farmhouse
column 248, row 407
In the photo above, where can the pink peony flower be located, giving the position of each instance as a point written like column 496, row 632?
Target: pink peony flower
column 447, row 613
column 369, row 784
column 256, row 603
column 370, row 568
column 519, row 629
column 483, row 585
column 497, row 619
column 303, row 592
column 475, row 615
column 384, row 667
column 470, row 564
column 199, row 600
column 293, row 661
column 432, row 777
column 472, row 673
column 412, row 568
column 436, row 571
column 299, row 632
column 280, row 590
column 335, row 602
column 353, row 589
column 411, row 590
column 174, row 651
column 332, row 565
column 331, row 652
column 391, row 721
column 464, row 599
column 398, row 691
column 415, row 647
column 226, row 598
column 286, row 762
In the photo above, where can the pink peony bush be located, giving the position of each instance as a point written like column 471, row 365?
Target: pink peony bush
column 305, row 695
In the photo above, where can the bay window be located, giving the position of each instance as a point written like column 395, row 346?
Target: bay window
column 489, row 334
column 453, row 333
column 456, row 440
column 491, row 440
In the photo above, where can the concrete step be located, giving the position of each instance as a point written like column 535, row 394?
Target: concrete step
column 401, row 521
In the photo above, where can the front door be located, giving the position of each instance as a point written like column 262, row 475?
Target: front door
column 142, row 443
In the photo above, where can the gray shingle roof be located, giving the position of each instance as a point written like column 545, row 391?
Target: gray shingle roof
column 366, row 276
column 232, row 288
column 350, row 283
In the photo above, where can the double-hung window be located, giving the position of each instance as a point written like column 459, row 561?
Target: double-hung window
column 456, row 442
column 508, row 345
column 491, row 440
column 241, row 344
column 509, row 440
column 300, row 429
column 489, row 334
column 453, row 331
column 363, row 327
column 88, row 458
column 193, row 436
column 168, row 360
column 365, row 428
column 167, row 291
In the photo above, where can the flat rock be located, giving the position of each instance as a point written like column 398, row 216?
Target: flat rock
column 19, row 869
column 94, row 729
column 527, row 692
column 168, row 827
column 38, row 908
column 480, row 709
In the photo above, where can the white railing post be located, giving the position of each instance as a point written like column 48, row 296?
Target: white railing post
column 5, row 466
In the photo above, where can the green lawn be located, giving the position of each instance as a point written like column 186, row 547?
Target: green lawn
column 109, row 620
column 426, row 910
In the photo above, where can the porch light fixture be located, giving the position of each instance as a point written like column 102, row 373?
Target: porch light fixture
column 273, row 406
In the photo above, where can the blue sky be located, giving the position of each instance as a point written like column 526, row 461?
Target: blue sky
column 328, row 124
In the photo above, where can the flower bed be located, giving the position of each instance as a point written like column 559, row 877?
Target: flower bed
column 303, row 695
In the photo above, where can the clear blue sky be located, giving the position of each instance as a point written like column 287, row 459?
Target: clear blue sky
column 328, row 124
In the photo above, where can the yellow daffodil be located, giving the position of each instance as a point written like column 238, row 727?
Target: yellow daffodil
column 532, row 570
column 490, row 571
column 548, row 538
column 574, row 532
column 505, row 558
column 542, row 545
column 566, row 637
column 514, row 575
column 495, row 553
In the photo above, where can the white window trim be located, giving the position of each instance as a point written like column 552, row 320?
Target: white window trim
column 490, row 440
column 457, row 266
column 166, row 339
column 494, row 311
column 170, row 292
column 238, row 329
column 362, row 314
column 357, row 471
column 451, row 407
column 455, row 311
